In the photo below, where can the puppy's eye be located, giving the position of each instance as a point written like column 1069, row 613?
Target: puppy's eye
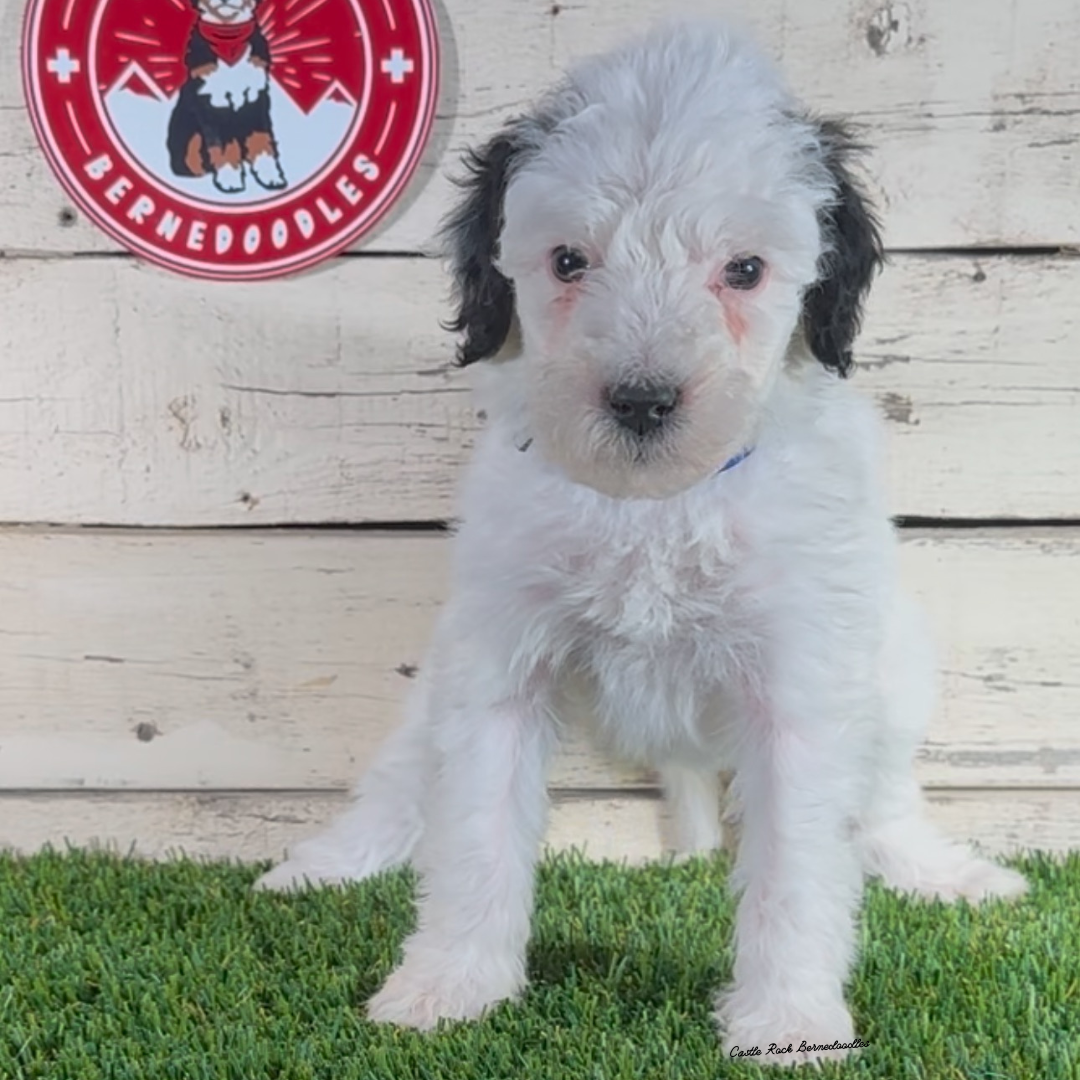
column 744, row 273
column 568, row 264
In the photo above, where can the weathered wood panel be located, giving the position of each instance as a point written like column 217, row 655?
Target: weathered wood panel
column 972, row 107
column 251, row 826
column 131, row 398
column 255, row 660
column 974, row 364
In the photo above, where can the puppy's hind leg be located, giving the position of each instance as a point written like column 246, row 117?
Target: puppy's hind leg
column 690, row 824
column 897, row 842
column 381, row 827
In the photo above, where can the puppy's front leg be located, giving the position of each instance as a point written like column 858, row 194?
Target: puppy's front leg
column 798, row 780
column 485, row 817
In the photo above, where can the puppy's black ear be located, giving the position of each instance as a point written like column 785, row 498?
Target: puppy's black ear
column 832, row 306
column 485, row 299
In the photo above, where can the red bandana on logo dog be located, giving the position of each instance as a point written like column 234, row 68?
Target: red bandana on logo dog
column 225, row 41
column 232, row 139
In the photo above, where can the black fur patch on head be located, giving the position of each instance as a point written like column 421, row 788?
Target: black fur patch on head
column 832, row 306
column 485, row 298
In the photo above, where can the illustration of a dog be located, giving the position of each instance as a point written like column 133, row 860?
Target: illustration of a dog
column 220, row 125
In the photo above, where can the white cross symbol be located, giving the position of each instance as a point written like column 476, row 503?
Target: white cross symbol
column 397, row 67
column 63, row 65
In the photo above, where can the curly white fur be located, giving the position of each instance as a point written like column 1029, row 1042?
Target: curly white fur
column 748, row 619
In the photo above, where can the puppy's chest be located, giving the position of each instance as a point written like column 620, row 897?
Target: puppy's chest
column 650, row 595
column 655, row 635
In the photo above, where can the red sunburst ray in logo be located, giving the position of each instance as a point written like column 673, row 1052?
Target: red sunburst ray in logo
column 311, row 47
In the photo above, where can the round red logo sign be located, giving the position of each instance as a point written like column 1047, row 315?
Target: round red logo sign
column 232, row 139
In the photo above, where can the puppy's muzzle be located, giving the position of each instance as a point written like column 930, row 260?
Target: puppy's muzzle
column 642, row 408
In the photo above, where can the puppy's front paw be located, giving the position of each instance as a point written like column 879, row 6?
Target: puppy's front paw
column 784, row 1036
column 423, row 991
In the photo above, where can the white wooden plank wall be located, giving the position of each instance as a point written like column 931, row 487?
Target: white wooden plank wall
column 972, row 104
column 170, row 680
column 302, row 402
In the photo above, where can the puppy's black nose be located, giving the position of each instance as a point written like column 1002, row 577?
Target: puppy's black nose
column 642, row 407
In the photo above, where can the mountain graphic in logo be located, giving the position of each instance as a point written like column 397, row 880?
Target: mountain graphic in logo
column 134, row 80
column 337, row 93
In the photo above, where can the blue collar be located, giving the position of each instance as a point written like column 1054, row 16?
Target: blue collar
column 740, row 457
column 731, row 462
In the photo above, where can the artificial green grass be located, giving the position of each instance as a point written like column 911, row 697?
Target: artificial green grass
column 115, row 968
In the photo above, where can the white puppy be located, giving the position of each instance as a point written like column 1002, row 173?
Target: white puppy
column 673, row 517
